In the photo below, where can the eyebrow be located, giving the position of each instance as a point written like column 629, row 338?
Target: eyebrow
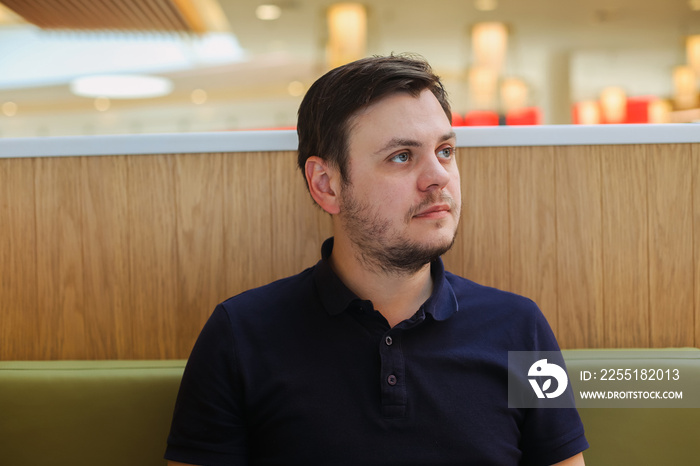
column 401, row 142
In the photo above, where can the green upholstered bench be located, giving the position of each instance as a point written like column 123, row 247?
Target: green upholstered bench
column 107, row 413
column 118, row 413
column 641, row 436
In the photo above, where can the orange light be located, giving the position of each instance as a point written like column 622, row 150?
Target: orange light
column 588, row 112
column 659, row 111
column 347, row 33
column 613, row 102
column 489, row 44
column 685, row 94
column 692, row 50
column 514, row 94
column 483, row 86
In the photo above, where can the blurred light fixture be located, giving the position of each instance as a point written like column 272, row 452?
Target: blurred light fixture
column 685, row 93
column 659, row 111
column 588, row 112
column 198, row 96
column 692, row 51
column 295, row 88
column 268, row 12
column 347, row 33
column 485, row 5
column 9, row 109
column 121, row 86
column 514, row 94
column 483, row 86
column 489, row 44
column 102, row 104
column 613, row 101
column 694, row 5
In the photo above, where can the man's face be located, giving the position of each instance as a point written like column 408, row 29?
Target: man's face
column 402, row 203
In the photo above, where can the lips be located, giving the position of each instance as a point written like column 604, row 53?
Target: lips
column 433, row 210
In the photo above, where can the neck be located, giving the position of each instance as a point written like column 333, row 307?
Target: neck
column 396, row 294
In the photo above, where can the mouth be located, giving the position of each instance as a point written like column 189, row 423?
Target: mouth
column 435, row 211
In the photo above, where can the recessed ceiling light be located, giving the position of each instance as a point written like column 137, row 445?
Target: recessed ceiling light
column 268, row 12
column 102, row 104
column 123, row 86
column 9, row 109
column 198, row 96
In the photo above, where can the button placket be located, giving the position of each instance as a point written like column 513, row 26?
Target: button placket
column 393, row 390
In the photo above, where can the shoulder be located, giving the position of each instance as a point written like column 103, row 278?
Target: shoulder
column 502, row 315
column 279, row 307
column 469, row 293
column 281, row 292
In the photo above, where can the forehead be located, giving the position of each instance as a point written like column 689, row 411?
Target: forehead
column 399, row 116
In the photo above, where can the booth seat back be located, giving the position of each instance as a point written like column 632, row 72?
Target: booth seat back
column 107, row 413
column 117, row 413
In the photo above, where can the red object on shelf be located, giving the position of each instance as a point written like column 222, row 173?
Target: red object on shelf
column 638, row 109
column 524, row 116
column 481, row 118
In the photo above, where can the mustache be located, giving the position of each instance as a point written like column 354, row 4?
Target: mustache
column 433, row 198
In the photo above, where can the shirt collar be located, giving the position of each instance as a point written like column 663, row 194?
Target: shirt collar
column 336, row 297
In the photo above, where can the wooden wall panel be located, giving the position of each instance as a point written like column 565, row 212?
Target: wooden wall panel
column 625, row 247
column 153, row 260
column 105, row 239
column 59, row 249
column 532, row 200
column 19, row 319
column 695, row 150
column 483, row 236
column 201, row 281
column 671, row 314
column 296, row 219
column 247, row 226
column 579, row 247
column 126, row 256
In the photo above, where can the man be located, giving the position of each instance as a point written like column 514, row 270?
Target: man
column 376, row 355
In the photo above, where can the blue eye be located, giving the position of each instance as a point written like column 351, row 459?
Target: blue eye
column 401, row 158
column 446, row 153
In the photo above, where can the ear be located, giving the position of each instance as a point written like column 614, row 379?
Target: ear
column 323, row 183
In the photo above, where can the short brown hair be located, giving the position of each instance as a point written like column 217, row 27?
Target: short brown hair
column 331, row 102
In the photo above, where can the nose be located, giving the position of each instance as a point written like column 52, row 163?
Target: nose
column 434, row 174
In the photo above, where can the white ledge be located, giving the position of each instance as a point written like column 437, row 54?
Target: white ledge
column 263, row 141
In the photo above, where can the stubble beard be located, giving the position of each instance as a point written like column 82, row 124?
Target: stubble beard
column 378, row 247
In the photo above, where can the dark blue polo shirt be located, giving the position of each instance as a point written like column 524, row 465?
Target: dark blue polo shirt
column 302, row 371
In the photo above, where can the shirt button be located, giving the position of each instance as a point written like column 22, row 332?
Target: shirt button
column 388, row 341
column 391, row 380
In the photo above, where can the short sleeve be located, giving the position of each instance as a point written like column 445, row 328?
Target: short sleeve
column 550, row 435
column 208, row 426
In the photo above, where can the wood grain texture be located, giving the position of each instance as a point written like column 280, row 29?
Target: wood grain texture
column 671, row 314
column 625, row 246
column 579, row 247
column 695, row 149
column 105, row 240
column 247, row 216
column 59, row 249
column 19, row 319
column 126, row 256
column 483, row 236
column 201, row 281
column 532, row 195
column 295, row 219
column 153, row 260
